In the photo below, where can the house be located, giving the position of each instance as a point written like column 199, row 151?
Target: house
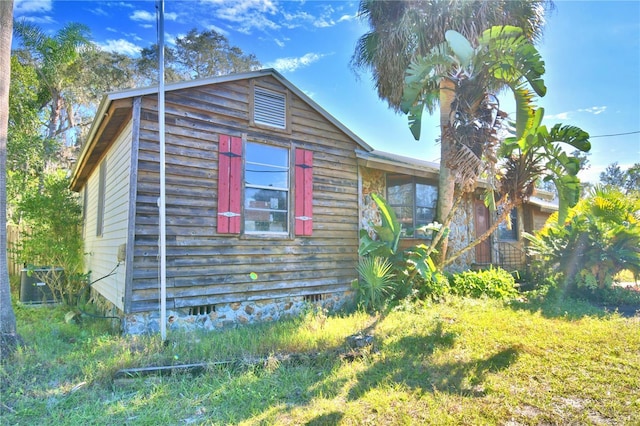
column 265, row 196
column 410, row 186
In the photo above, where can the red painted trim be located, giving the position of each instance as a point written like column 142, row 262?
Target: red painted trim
column 304, row 192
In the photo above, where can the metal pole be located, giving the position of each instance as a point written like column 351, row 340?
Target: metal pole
column 162, row 201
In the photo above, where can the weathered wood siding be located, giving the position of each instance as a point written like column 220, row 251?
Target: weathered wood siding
column 102, row 250
column 204, row 267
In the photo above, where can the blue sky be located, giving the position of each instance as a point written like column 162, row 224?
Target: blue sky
column 591, row 50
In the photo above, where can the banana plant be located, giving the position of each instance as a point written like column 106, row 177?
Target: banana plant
column 537, row 153
column 503, row 57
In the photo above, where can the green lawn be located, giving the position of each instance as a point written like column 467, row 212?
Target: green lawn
column 459, row 362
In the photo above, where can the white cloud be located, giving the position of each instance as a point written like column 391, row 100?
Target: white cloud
column 594, row 110
column 280, row 43
column 559, row 116
column 120, row 46
column 292, row 64
column 23, row 7
column 346, row 18
column 99, row 11
column 324, row 22
column 146, row 16
column 142, row 15
column 246, row 15
column 218, row 30
column 569, row 114
column 40, row 20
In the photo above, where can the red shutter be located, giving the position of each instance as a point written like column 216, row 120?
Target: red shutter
column 304, row 192
column 229, row 184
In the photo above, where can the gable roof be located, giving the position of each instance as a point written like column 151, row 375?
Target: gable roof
column 115, row 109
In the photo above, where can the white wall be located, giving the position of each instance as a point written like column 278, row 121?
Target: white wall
column 102, row 251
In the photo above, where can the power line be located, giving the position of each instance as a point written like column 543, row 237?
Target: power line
column 615, row 134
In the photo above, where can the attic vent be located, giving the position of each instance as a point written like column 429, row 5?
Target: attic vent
column 202, row 310
column 313, row 298
column 269, row 108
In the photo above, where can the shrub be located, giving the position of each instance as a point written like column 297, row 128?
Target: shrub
column 494, row 283
column 412, row 269
column 615, row 296
column 53, row 217
column 376, row 282
column 599, row 239
column 434, row 287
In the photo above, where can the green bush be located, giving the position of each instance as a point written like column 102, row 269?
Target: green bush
column 615, row 296
column 599, row 239
column 495, row 283
column 435, row 287
column 375, row 285
column 53, row 217
column 412, row 269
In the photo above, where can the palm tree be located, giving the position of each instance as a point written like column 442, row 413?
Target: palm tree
column 8, row 331
column 54, row 59
column 404, row 30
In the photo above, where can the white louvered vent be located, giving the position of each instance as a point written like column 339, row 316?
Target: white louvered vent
column 269, row 108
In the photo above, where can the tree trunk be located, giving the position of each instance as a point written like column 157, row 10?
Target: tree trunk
column 8, row 332
column 56, row 108
column 446, row 183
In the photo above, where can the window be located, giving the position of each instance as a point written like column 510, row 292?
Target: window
column 102, row 177
column 414, row 202
column 85, row 203
column 269, row 108
column 255, row 193
column 508, row 229
column 266, row 193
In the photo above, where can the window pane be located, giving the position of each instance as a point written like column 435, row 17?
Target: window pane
column 424, row 216
column 426, row 195
column 265, row 210
column 260, row 175
column 400, row 190
column 266, row 166
column 265, row 154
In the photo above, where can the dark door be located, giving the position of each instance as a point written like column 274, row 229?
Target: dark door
column 483, row 250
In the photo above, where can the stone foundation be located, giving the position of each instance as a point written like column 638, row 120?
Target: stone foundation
column 229, row 314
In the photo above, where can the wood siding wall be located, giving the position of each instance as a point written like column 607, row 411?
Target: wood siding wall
column 102, row 251
column 204, row 267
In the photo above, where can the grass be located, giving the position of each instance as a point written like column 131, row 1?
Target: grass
column 465, row 361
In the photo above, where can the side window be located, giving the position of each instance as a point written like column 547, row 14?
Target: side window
column 414, row 202
column 85, row 204
column 266, row 189
column 508, row 229
column 102, row 182
column 400, row 198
